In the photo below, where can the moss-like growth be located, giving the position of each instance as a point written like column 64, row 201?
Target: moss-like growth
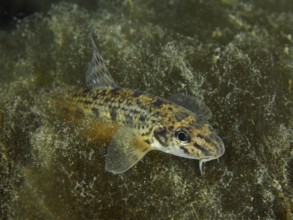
column 235, row 56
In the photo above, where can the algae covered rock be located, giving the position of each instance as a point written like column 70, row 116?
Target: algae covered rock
column 236, row 56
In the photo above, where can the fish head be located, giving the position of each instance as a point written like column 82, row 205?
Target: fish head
column 190, row 137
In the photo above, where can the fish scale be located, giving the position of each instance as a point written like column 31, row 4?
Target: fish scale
column 123, row 107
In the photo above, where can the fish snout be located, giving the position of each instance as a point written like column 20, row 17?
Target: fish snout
column 219, row 147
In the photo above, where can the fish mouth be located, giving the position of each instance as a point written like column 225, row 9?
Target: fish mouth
column 220, row 149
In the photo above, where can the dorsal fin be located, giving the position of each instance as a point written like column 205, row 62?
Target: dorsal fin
column 192, row 104
column 97, row 75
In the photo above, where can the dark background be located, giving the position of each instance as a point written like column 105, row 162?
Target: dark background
column 10, row 11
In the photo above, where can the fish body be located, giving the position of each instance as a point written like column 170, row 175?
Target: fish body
column 141, row 122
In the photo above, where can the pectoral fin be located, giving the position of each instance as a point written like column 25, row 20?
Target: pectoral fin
column 125, row 150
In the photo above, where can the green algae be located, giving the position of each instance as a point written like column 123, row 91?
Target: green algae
column 234, row 55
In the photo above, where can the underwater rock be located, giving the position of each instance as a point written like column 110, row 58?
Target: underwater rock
column 236, row 56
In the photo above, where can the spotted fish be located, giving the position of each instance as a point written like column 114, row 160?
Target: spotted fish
column 136, row 122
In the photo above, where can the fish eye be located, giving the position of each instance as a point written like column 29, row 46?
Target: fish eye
column 182, row 135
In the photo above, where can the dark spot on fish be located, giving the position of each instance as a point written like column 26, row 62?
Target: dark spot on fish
column 106, row 99
column 158, row 103
column 148, row 132
column 142, row 118
column 116, row 91
column 138, row 102
column 147, row 141
column 206, row 153
column 128, row 120
column 87, row 102
column 200, row 136
column 208, row 140
column 161, row 135
column 96, row 112
column 137, row 93
column 170, row 128
column 96, row 96
column 99, row 94
column 179, row 116
column 134, row 111
column 184, row 149
column 86, row 90
column 157, row 114
column 113, row 113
